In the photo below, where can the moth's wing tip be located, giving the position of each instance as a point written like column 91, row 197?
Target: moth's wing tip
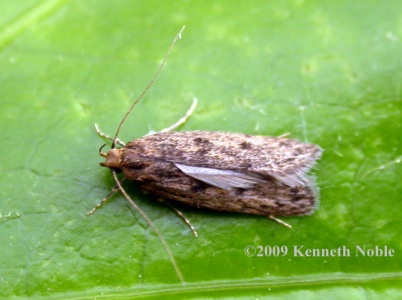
column 315, row 190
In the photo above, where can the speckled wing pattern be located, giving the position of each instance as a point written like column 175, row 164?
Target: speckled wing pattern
column 245, row 157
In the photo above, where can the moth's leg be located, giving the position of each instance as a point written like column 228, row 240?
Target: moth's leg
column 284, row 135
column 98, row 131
column 181, row 215
column 112, row 192
column 280, row 222
column 182, row 120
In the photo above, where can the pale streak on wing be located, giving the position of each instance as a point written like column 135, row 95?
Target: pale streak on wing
column 224, row 179
column 290, row 180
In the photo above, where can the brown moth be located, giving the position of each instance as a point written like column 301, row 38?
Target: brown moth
column 216, row 170
column 222, row 171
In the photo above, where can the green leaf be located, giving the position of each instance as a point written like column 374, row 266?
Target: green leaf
column 325, row 72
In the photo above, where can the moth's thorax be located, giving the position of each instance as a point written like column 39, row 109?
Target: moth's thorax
column 113, row 159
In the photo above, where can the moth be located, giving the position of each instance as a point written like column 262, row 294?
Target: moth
column 221, row 171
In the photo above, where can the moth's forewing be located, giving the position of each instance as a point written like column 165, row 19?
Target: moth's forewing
column 225, row 171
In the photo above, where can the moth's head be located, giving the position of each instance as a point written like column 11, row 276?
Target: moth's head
column 113, row 158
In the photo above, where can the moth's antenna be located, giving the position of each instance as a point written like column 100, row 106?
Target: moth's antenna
column 178, row 36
